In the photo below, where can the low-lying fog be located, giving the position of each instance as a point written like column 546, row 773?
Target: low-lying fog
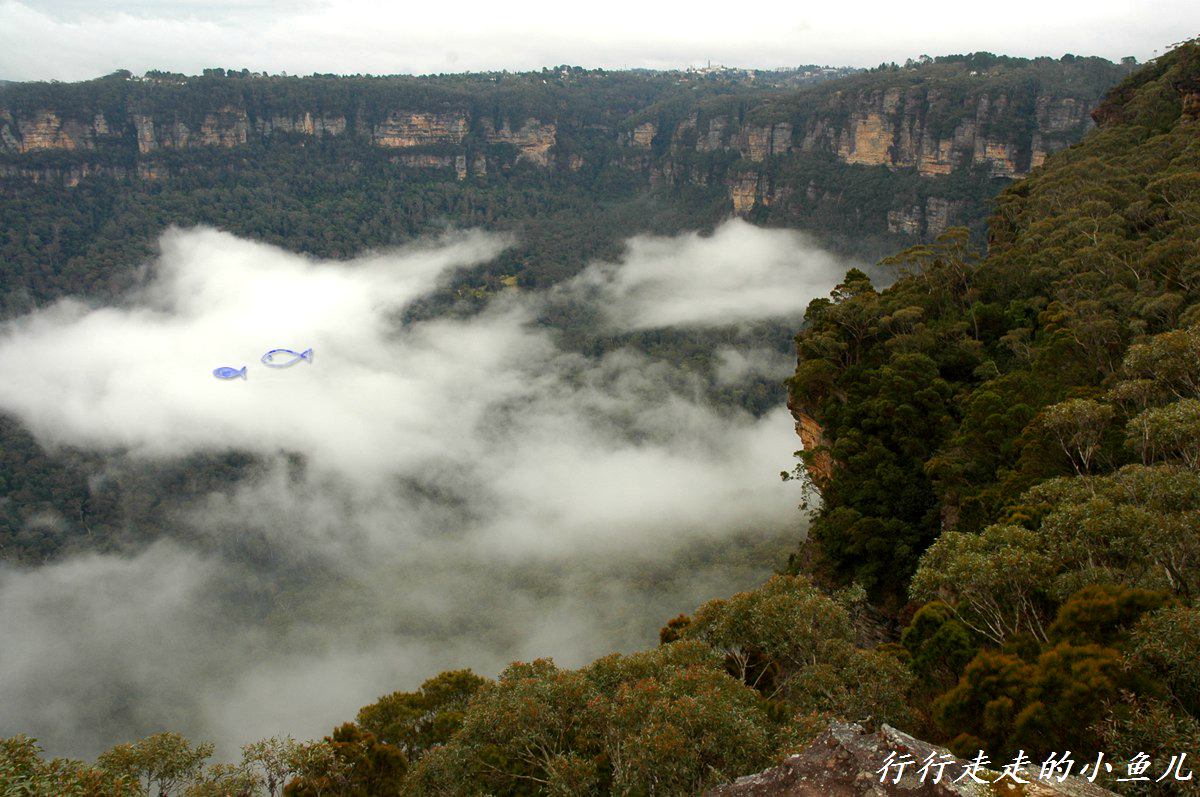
column 447, row 493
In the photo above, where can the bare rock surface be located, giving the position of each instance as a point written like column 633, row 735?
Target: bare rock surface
column 845, row 760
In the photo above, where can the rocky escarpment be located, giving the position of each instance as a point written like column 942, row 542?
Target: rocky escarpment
column 846, row 761
column 46, row 130
column 423, row 139
column 818, row 461
column 923, row 129
column 900, row 153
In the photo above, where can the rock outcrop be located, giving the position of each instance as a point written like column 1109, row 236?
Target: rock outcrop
column 426, row 139
column 845, row 761
column 45, row 130
column 818, row 462
column 305, row 124
column 642, row 136
column 533, row 139
column 407, row 128
column 922, row 128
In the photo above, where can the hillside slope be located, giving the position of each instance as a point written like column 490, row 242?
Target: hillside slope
column 1006, row 446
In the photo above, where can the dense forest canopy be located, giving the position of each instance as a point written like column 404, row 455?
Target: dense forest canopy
column 1011, row 435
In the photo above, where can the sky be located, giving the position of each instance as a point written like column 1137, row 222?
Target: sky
column 445, row 493
column 80, row 39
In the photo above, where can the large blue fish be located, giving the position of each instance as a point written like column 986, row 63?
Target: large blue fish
column 225, row 372
column 297, row 356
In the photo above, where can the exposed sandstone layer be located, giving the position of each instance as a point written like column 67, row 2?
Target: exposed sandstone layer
column 418, row 128
column 918, row 128
column 753, row 151
column 46, row 131
column 642, row 136
column 819, row 462
column 307, row 124
column 227, row 126
column 759, row 143
column 533, row 139
column 744, row 192
column 930, row 220
column 135, row 146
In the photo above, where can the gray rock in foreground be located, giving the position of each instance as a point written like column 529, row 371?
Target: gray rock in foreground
column 844, row 761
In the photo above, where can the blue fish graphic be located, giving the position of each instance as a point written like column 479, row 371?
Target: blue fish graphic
column 297, row 356
column 225, row 372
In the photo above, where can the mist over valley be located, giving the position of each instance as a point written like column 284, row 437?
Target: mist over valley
column 446, row 492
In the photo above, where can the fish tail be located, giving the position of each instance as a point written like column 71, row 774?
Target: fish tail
column 242, row 373
column 306, row 355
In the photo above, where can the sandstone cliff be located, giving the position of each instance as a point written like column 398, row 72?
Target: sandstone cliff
column 920, row 129
column 904, row 153
column 450, row 139
column 818, row 462
column 404, row 129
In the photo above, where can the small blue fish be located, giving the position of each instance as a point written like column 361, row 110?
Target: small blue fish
column 297, row 356
column 225, row 372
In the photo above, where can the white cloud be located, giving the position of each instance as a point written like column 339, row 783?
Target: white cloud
column 735, row 366
column 139, row 378
column 738, row 274
column 472, row 493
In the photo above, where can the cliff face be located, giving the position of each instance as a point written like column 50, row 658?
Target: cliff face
column 405, row 129
column 890, row 129
column 426, row 139
column 902, row 153
column 533, row 139
column 818, row 461
column 920, row 130
column 44, row 130
column 225, row 127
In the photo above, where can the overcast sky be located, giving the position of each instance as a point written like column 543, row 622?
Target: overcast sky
column 78, row 39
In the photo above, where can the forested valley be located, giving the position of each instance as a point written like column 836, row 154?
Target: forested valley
column 1002, row 454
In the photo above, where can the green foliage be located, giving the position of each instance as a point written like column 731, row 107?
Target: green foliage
column 939, row 645
column 224, row 780
column 418, row 721
column 1065, row 573
column 1154, row 728
column 1170, row 433
column 1077, row 427
column 994, row 582
column 1003, row 703
column 676, row 724
column 272, row 763
column 165, row 762
column 1102, row 613
column 356, row 765
column 1135, row 526
column 795, row 644
column 667, row 721
column 1166, row 645
column 25, row 773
